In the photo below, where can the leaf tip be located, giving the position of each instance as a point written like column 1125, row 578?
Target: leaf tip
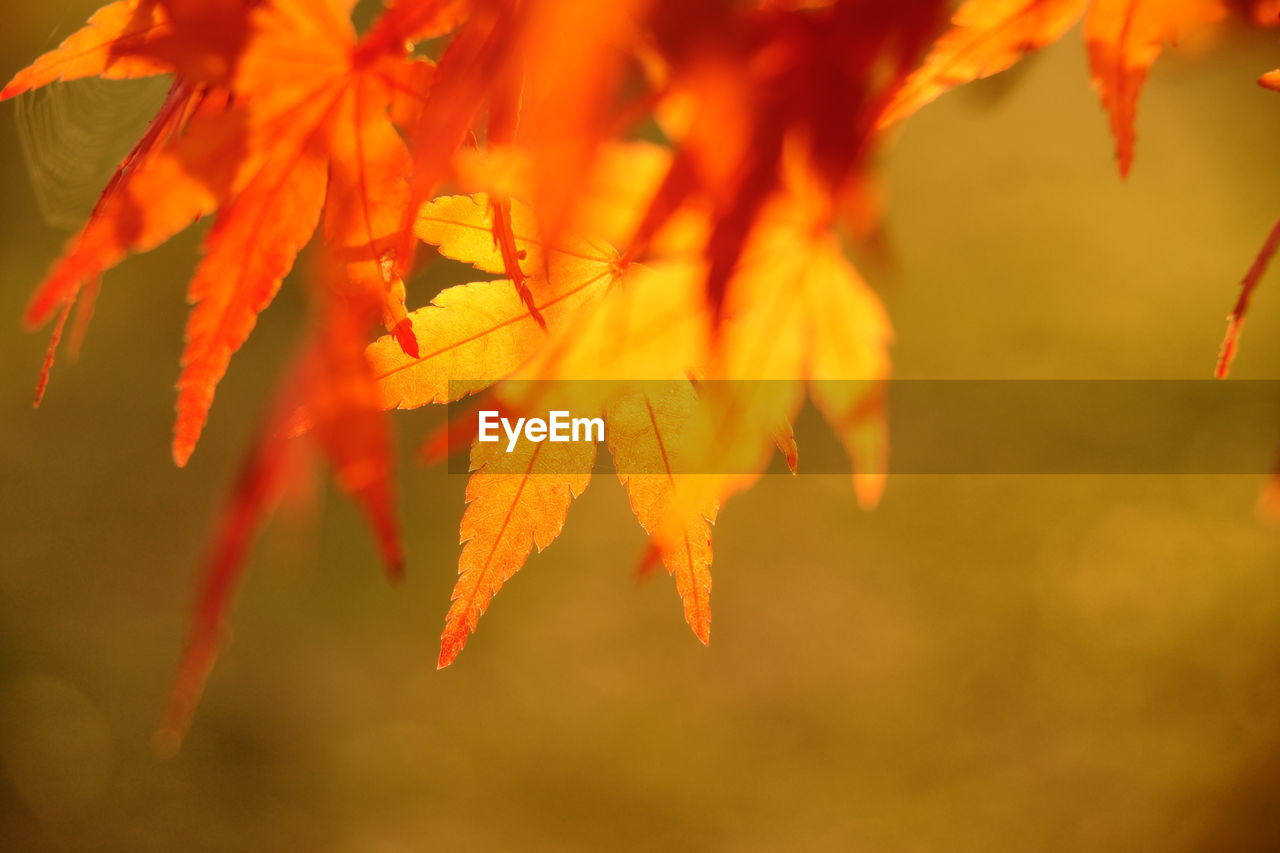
column 1227, row 353
column 700, row 623
column 181, row 452
column 868, row 489
column 448, row 654
column 166, row 742
column 186, row 434
column 792, row 454
column 34, row 317
column 451, row 643
column 395, row 563
column 42, row 384
column 46, row 367
column 784, row 438
column 1124, row 159
column 647, row 566
column 403, row 333
column 381, row 515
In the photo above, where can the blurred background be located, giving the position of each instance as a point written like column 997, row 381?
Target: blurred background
column 983, row 663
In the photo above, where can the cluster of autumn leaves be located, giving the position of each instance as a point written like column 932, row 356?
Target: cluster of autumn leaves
column 716, row 254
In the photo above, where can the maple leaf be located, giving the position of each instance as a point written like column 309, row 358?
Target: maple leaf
column 591, row 300
column 1252, row 277
column 111, row 45
column 309, row 129
column 55, row 338
column 277, row 131
column 1125, row 37
column 827, row 327
column 334, row 126
column 248, row 252
column 483, row 332
column 825, row 332
column 1264, row 13
column 1235, row 321
column 347, row 420
column 514, row 501
column 612, row 318
column 843, row 60
column 271, row 462
column 332, row 381
column 647, row 430
column 986, row 37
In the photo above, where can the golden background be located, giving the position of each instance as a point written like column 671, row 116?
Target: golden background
column 983, row 663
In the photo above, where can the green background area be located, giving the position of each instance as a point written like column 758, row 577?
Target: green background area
column 983, row 663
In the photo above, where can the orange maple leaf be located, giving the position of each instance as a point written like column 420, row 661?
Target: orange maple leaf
column 300, row 125
column 514, row 502
column 483, row 332
column 111, row 45
column 610, row 318
column 1124, row 37
column 986, row 37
